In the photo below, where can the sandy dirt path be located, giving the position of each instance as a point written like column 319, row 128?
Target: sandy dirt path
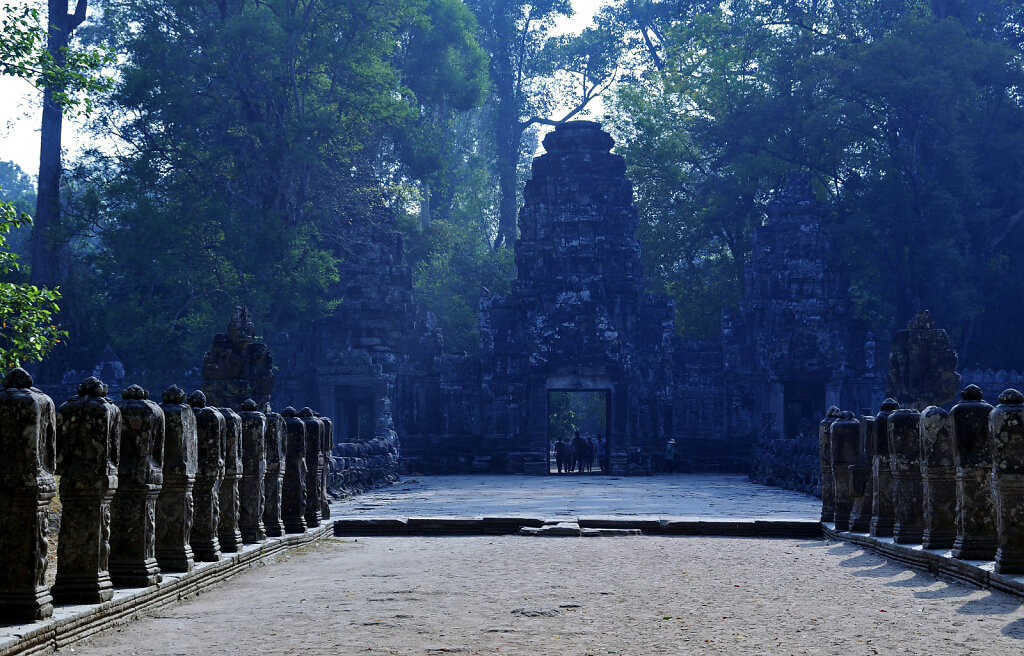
column 621, row 595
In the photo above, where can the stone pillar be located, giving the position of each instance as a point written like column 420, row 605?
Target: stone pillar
column 828, row 482
column 844, row 438
column 1006, row 424
column 27, row 436
column 254, row 469
column 293, row 491
column 328, row 447
column 139, row 479
column 972, row 454
column 209, row 474
column 314, row 465
column 174, row 506
column 938, row 476
column 276, row 441
column 883, row 510
column 860, row 477
column 88, row 440
column 228, row 533
column 905, row 462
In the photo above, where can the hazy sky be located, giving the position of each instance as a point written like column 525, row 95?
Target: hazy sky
column 19, row 107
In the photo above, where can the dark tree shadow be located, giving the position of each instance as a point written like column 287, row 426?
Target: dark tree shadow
column 864, row 559
column 1015, row 629
column 919, row 579
column 951, row 591
column 882, row 571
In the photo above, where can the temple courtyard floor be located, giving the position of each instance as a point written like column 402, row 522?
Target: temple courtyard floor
column 627, row 595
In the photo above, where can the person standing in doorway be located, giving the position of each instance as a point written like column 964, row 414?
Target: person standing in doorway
column 670, row 456
column 560, row 454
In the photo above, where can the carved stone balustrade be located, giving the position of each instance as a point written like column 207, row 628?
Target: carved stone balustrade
column 972, row 452
column 27, row 436
column 228, row 532
column 276, row 440
column 293, row 491
column 314, row 465
column 828, row 482
column 938, row 475
column 174, row 506
column 254, row 470
column 140, row 476
column 209, row 474
column 905, row 462
column 88, row 440
column 1006, row 425
column 325, row 471
column 883, row 508
column 844, row 438
column 860, row 477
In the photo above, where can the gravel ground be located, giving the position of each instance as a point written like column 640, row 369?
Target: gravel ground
column 621, row 595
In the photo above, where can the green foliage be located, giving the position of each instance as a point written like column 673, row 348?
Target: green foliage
column 572, row 411
column 27, row 332
column 911, row 125
column 23, row 53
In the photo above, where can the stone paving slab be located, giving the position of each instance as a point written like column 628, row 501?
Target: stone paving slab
column 653, row 498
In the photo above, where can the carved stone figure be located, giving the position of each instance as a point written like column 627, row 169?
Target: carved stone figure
column 228, row 531
column 174, row 506
column 828, row 481
column 237, row 368
column 938, row 475
column 210, row 429
column 293, row 492
column 860, row 477
column 883, row 510
column 27, row 436
column 844, row 437
column 325, row 472
column 88, row 440
column 276, row 443
column 1006, row 424
column 975, row 502
column 905, row 462
column 314, row 465
column 254, row 470
column 139, row 479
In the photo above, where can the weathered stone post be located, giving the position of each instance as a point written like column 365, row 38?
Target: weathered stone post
column 883, row 510
column 209, row 474
column 228, row 533
column 276, row 440
column 293, row 492
column 328, row 446
column 905, row 462
column 938, row 476
column 844, row 437
column 314, row 465
column 27, row 436
column 828, row 481
column 975, row 502
column 1006, row 424
column 860, row 477
column 139, row 479
column 254, row 469
column 174, row 506
column 88, row 440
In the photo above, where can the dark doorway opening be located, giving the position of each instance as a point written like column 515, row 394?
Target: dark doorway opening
column 582, row 413
column 803, row 404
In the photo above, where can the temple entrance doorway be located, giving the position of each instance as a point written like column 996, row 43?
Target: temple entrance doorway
column 582, row 412
column 803, row 402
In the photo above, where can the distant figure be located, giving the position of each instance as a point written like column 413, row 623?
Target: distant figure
column 578, row 451
column 560, row 455
column 591, row 454
column 670, row 456
column 601, row 453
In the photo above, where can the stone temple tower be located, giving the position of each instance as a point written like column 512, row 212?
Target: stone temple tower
column 577, row 317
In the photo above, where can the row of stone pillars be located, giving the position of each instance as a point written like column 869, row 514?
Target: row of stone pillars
column 946, row 480
column 145, row 487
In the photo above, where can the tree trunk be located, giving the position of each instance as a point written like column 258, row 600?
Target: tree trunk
column 43, row 251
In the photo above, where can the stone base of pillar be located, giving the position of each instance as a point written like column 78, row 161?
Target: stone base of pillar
column 294, row 524
column 253, row 534
column 82, row 589
column 135, row 574
column 175, row 560
column 974, row 548
column 881, row 527
column 907, row 534
column 932, row 539
column 205, row 550
column 26, row 606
